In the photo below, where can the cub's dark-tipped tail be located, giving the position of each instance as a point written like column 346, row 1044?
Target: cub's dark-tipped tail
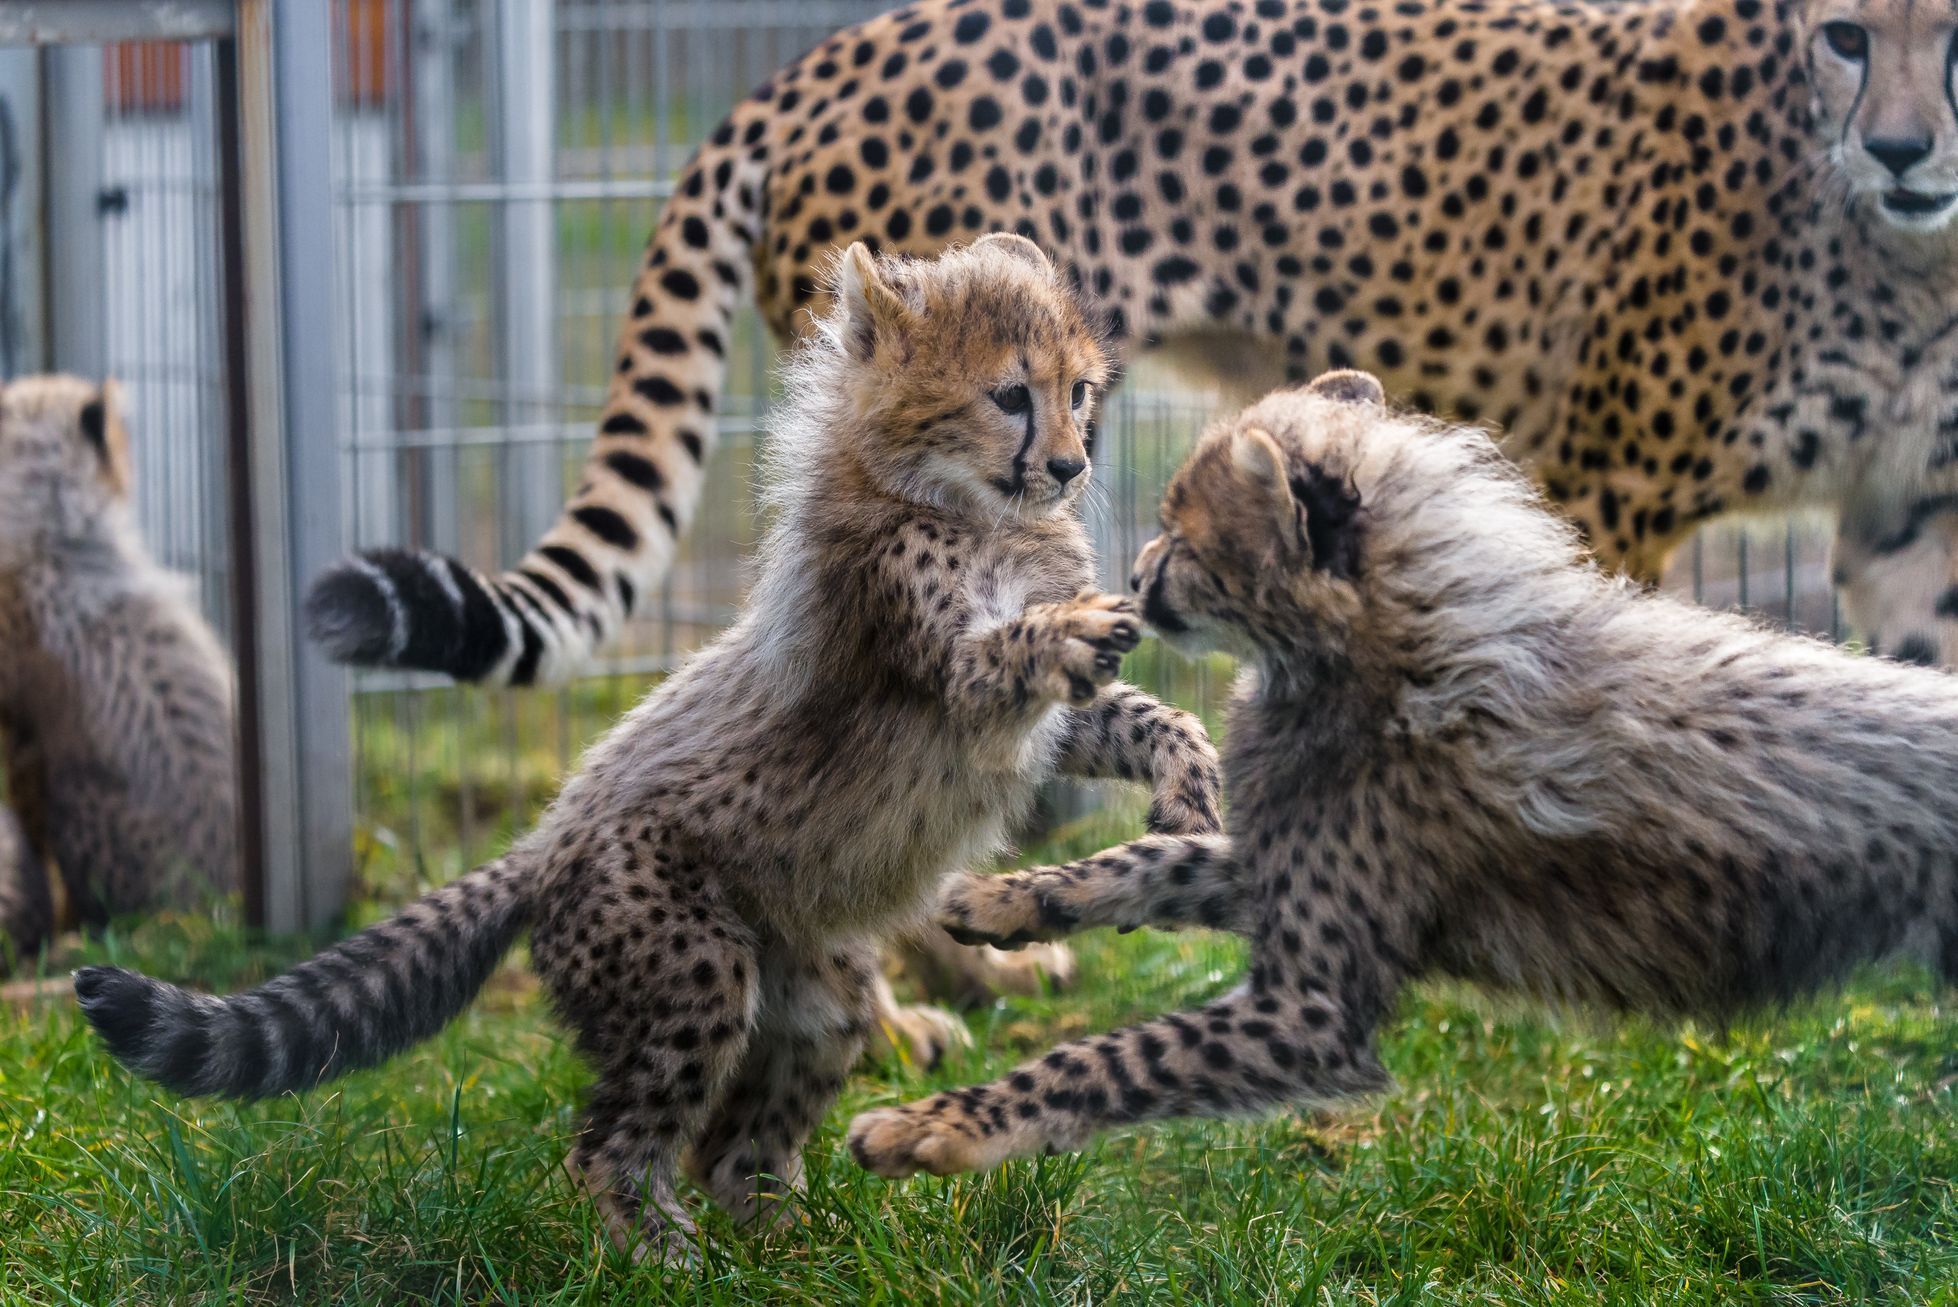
column 354, row 1005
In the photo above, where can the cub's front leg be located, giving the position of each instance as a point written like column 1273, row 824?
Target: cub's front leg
column 1170, row 882
column 1051, row 653
column 1130, row 735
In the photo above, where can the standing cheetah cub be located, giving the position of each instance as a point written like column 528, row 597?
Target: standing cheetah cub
column 706, row 898
column 116, row 712
column 1459, row 749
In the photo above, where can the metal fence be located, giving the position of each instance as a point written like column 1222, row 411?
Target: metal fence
column 486, row 173
column 163, row 205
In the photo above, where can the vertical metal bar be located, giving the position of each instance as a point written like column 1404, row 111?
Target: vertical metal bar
column 526, row 271
column 293, row 465
column 238, row 432
column 76, row 302
column 1741, row 564
column 430, row 65
column 23, row 332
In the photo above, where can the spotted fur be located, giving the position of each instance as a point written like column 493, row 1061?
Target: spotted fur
column 1470, row 754
column 116, row 711
column 706, row 897
column 1691, row 255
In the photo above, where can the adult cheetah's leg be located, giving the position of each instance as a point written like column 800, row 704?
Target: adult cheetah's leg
column 971, row 974
column 814, row 1016
column 915, row 1032
column 1170, row 882
column 656, row 976
column 1898, row 576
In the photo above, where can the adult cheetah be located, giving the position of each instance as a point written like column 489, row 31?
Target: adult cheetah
column 1458, row 748
column 1694, row 256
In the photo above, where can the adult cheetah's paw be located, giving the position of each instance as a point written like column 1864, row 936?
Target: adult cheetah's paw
column 1086, row 639
column 919, row 1035
column 1035, row 969
column 927, row 1135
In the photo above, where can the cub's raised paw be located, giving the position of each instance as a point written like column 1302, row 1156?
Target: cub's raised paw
column 1089, row 635
column 998, row 910
column 895, row 1142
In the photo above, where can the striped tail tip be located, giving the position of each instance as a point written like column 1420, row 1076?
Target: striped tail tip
column 132, row 1014
column 408, row 609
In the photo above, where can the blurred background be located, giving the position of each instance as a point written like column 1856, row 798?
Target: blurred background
column 455, row 193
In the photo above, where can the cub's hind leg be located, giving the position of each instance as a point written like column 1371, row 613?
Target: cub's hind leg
column 814, row 1015
column 656, row 975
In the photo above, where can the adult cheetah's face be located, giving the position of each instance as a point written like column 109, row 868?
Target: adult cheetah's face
column 64, row 457
column 1884, row 94
column 1261, row 547
column 977, row 376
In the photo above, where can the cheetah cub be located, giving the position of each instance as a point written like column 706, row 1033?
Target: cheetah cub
column 116, row 710
column 707, row 896
column 1459, row 749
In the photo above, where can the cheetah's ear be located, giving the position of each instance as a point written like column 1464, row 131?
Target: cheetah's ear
column 1261, row 464
column 1255, row 453
column 101, row 426
column 1006, row 242
column 1348, row 387
column 868, row 304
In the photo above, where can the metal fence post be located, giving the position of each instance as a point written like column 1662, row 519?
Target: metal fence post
column 297, row 699
column 526, row 269
column 77, row 298
column 23, row 340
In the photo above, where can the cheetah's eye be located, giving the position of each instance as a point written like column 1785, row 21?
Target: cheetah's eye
column 1080, row 395
column 1849, row 40
column 1013, row 399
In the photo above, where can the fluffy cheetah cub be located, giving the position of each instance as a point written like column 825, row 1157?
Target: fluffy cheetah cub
column 706, row 898
column 1459, row 749
column 116, row 714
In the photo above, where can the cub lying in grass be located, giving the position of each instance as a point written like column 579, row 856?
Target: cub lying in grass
column 1458, row 748
column 706, row 898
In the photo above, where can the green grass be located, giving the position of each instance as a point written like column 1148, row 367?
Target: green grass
column 1811, row 1157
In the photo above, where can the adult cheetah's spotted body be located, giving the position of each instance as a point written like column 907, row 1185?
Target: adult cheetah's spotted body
column 1641, row 236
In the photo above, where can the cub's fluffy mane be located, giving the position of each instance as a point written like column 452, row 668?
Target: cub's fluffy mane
column 1483, row 611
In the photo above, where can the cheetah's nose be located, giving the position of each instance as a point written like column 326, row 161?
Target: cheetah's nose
column 1897, row 154
column 1066, row 469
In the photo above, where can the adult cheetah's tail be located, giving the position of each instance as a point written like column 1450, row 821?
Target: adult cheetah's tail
column 354, row 1005
column 542, row 621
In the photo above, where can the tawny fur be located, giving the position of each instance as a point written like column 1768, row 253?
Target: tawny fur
column 116, row 711
column 1458, row 748
column 707, row 895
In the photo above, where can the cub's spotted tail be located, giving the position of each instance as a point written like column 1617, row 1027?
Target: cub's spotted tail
column 542, row 621
column 357, row 1004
